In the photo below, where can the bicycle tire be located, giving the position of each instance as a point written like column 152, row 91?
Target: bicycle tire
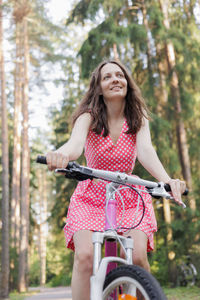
column 186, row 275
column 130, row 278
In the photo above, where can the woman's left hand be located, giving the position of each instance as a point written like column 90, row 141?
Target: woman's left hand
column 177, row 189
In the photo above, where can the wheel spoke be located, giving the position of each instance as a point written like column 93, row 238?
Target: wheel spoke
column 129, row 289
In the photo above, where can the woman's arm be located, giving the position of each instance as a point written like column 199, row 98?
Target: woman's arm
column 147, row 155
column 72, row 149
column 148, row 158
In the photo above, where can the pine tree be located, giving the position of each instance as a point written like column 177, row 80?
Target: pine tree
column 4, row 287
column 175, row 93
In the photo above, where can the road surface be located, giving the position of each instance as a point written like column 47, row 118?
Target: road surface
column 58, row 293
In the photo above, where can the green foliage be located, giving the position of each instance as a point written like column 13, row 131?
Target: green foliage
column 182, row 293
column 162, row 137
column 13, row 268
column 34, row 271
column 158, row 262
column 185, row 235
column 138, row 36
column 100, row 43
column 156, row 19
column 187, row 101
column 89, row 10
column 20, row 296
column 62, row 279
column 59, row 261
column 80, row 12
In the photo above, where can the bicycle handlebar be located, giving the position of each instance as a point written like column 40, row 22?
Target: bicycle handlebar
column 75, row 171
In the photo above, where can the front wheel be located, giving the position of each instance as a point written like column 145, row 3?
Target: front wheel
column 131, row 282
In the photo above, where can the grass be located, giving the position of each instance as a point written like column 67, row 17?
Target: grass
column 21, row 296
column 182, row 293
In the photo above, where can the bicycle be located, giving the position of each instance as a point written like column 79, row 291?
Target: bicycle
column 187, row 273
column 127, row 280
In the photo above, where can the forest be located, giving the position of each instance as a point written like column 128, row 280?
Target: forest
column 159, row 43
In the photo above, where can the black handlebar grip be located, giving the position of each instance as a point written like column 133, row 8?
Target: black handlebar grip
column 168, row 189
column 41, row 159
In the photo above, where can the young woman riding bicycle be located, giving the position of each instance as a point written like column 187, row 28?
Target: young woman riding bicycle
column 111, row 125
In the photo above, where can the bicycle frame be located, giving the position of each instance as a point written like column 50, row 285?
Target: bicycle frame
column 101, row 266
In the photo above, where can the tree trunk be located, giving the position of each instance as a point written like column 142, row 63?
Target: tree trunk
column 24, row 230
column 162, row 91
column 4, row 288
column 148, row 52
column 42, row 225
column 175, row 92
column 15, row 199
column 172, row 275
column 115, row 52
column 162, row 100
column 162, row 97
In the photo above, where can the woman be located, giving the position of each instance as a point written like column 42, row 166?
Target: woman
column 112, row 125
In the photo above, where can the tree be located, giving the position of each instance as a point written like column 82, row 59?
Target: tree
column 4, row 288
column 22, row 12
column 175, row 93
column 16, row 162
column 42, row 224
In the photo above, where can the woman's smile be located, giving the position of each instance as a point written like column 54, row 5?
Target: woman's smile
column 116, row 87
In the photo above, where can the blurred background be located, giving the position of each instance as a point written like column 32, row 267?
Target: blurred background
column 48, row 50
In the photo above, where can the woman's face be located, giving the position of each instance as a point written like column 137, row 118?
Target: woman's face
column 113, row 82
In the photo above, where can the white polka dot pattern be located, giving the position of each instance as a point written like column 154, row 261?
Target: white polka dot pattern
column 87, row 205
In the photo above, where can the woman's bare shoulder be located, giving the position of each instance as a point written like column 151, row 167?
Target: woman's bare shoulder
column 85, row 116
column 83, row 122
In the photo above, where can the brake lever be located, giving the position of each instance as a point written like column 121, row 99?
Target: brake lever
column 160, row 191
column 72, row 166
column 60, row 170
column 74, row 173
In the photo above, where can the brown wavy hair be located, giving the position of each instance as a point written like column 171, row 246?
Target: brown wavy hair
column 135, row 108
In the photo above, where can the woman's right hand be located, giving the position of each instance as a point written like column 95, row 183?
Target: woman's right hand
column 56, row 160
column 177, row 189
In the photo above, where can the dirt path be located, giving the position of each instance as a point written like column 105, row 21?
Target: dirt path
column 58, row 293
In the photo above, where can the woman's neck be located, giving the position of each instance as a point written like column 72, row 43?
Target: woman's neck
column 115, row 110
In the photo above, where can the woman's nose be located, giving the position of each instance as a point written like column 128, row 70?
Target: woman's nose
column 115, row 78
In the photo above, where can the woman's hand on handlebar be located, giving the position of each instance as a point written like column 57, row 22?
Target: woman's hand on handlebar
column 56, row 160
column 177, row 189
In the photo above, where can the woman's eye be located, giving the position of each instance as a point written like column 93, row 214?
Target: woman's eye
column 120, row 75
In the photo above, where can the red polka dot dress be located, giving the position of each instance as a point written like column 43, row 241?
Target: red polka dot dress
column 87, row 204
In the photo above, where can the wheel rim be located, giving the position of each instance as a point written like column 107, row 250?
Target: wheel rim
column 129, row 287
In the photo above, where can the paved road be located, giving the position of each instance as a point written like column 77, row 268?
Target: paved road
column 58, row 293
